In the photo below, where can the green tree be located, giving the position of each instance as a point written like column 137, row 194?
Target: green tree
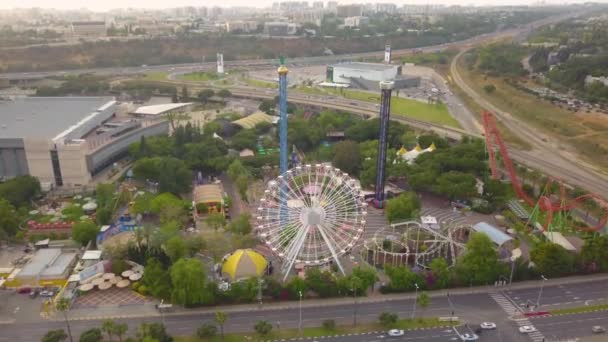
column 108, row 326
column 245, row 138
column 296, row 286
column 224, row 93
column 242, row 184
column 58, row 335
column 455, row 184
column 388, row 319
column 189, row 279
column 205, row 94
column 552, row 260
column 175, row 248
column 423, row 301
column 156, row 279
column 263, row 328
column 479, row 264
column 367, row 275
column 489, row 88
column 241, row 224
column 439, row 268
column 120, row 329
column 153, row 331
column 91, row 335
column 85, row 231
column 206, row 331
column 594, row 253
column 221, row 318
column 347, row 157
column 185, row 95
column 404, row 206
column 63, row 306
column 402, row 278
column 216, row 220
column 236, row 169
column 8, row 219
column 21, row 190
column 323, row 283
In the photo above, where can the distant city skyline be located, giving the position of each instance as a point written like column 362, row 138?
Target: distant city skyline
column 158, row 4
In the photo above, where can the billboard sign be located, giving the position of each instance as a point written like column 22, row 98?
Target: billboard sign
column 220, row 63
column 91, row 271
column 387, row 54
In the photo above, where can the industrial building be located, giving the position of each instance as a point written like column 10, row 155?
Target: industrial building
column 65, row 141
column 48, row 267
column 280, row 28
column 368, row 75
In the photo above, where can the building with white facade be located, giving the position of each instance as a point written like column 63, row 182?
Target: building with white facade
column 356, row 21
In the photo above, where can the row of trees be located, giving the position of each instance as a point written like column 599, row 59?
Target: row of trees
column 147, row 332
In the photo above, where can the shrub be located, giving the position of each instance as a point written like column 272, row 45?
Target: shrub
column 206, row 331
column 329, row 325
column 388, row 319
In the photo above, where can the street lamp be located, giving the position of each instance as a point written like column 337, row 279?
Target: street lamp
column 415, row 300
column 300, row 323
column 160, row 308
column 355, row 308
column 540, row 293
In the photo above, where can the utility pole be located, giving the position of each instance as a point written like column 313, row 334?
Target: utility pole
column 300, row 322
column 540, row 293
column 355, row 309
column 415, row 300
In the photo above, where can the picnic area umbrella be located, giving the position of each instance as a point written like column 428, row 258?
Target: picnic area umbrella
column 97, row 281
column 135, row 276
column 114, row 280
column 126, row 273
column 105, row 285
column 86, row 287
column 123, row 283
column 108, row 276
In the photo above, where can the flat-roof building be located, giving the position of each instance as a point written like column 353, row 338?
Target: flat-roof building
column 368, row 76
column 49, row 266
column 65, row 140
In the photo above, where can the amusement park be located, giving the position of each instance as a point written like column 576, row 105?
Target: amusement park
column 291, row 203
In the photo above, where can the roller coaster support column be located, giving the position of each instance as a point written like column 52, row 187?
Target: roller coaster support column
column 385, row 109
column 283, row 152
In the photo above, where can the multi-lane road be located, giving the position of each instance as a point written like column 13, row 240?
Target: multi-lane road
column 471, row 308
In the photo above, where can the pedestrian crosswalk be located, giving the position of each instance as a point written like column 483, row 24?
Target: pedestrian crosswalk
column 511, row 310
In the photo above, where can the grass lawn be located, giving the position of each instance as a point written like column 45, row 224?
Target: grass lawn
column 433, row 113
column 199, row 76
column 405, row 324
column 578, row 310
column 260, row 84
column 156, row 76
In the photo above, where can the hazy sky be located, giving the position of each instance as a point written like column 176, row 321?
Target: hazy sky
column 102, row 5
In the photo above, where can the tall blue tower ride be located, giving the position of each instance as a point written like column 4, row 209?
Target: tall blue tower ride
column 385, row 111
column 283, row 152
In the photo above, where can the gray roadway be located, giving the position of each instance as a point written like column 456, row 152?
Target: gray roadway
column 589, row 293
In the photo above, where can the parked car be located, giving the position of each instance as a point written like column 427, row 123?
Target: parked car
column 396, row 332
column 525, row 329
column 33, row 294
column 24, row 290
column 488, row 325
column 598, row 329
column 47, row 293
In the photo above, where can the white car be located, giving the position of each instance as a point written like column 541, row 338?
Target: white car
column 488, row 325
column 395, row 332
column 524, row 329
column 469, row 337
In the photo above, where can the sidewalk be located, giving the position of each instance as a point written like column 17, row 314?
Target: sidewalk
column 148, row 310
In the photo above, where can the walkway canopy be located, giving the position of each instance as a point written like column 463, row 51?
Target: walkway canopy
column 495, row 234
column 252, row 120
column 244, row 263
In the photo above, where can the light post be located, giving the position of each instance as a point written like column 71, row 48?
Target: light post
column 260, row 283
column 512, row 269
column 415, row 300
column 160, row 308
column 355, row 308
column 540, row 293
column 300, row 323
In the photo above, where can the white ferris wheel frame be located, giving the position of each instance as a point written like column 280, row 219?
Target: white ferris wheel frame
column 310, row 215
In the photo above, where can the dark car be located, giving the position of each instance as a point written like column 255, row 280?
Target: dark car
column 24, row 290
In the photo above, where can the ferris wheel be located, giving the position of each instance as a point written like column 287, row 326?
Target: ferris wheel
column 311, row 215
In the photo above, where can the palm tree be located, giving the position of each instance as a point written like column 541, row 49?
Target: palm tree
column 108, row 326
column 423, row 301
column 120, row 329
column 63, row 305
column 220, row 319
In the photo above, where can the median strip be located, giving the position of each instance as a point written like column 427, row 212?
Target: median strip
column 578, row 310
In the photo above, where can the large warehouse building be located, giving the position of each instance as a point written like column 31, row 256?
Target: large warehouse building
column 65, row 141
column 368, row 75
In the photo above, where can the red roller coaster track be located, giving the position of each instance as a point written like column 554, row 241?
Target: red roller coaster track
column 544, row 202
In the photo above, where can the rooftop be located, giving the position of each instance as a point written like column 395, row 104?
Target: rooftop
column 208, row 193
column 47, row 262
column 495, row 234
column 45, row 117
column 252, row 120
column 365, row 66
column 160, row 108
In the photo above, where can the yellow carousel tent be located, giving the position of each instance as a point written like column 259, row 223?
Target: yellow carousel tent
column 244, row 263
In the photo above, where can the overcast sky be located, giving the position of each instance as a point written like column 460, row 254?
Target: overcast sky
column 102, row 5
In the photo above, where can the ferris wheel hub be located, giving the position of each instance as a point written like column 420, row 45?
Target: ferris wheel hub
column 312, row 216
